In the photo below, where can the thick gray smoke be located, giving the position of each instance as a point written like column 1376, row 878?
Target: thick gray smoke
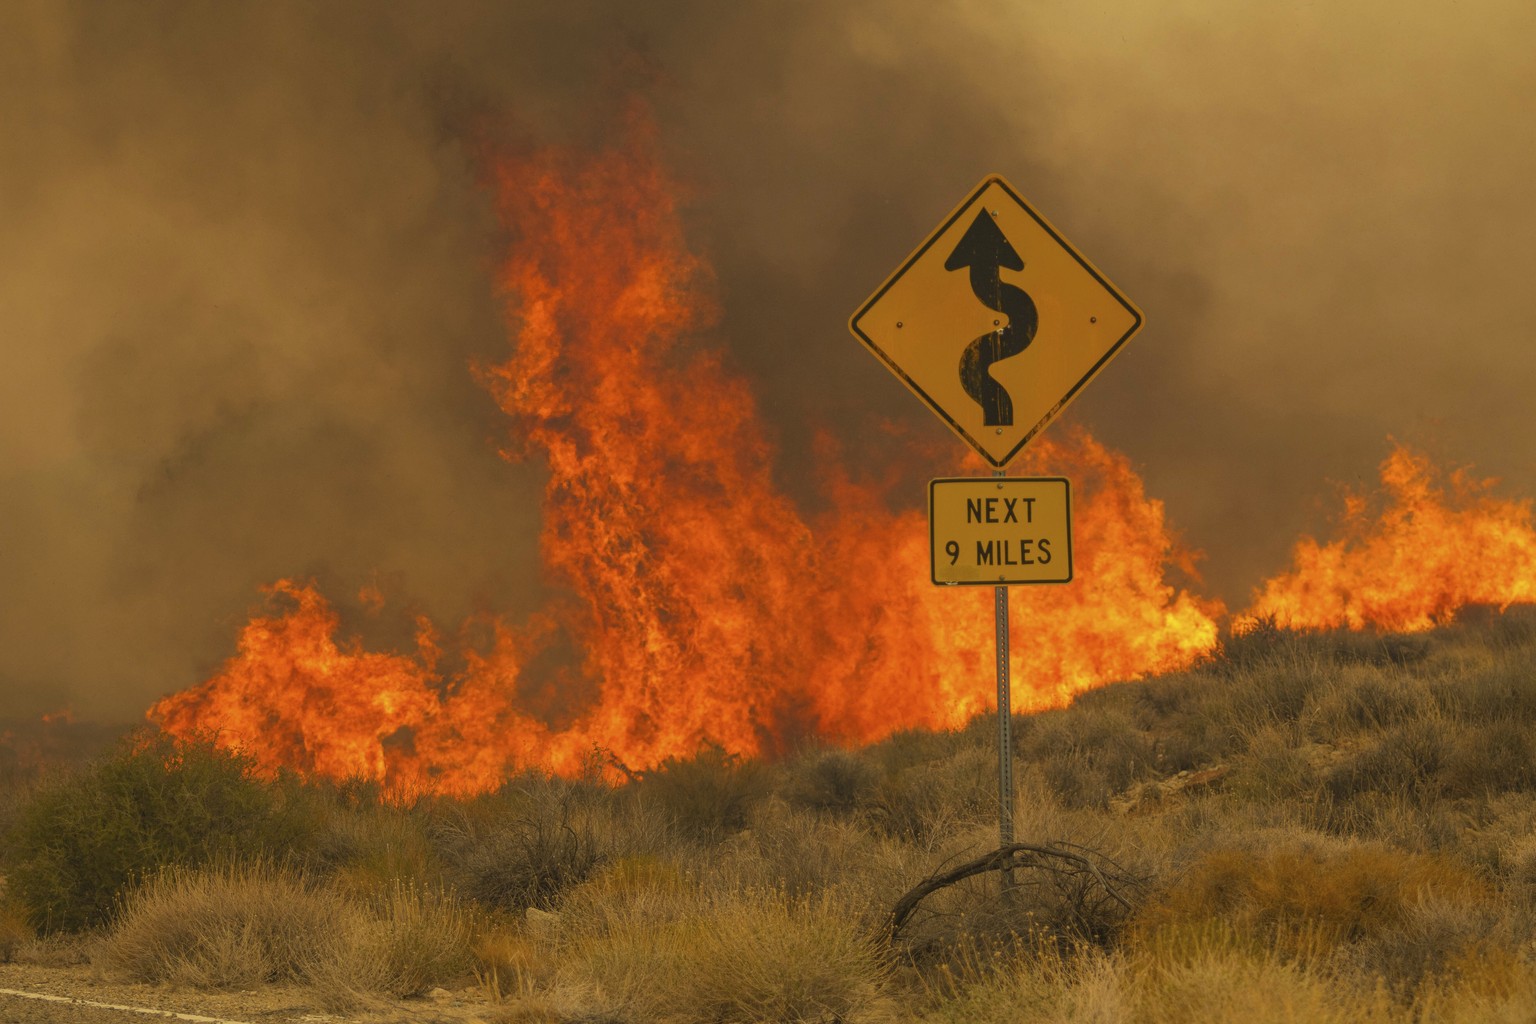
column 247, row 265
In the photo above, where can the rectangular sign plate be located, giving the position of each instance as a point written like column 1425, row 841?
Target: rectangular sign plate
column 998, row 531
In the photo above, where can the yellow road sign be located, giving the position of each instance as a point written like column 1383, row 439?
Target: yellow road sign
column 996, row 322
column 1000, row 530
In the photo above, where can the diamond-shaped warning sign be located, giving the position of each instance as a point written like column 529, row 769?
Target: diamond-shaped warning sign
column 996, row 321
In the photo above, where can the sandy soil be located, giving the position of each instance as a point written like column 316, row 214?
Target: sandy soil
column 270, row 1005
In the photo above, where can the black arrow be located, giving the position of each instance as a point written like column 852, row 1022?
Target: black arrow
column 987, row 252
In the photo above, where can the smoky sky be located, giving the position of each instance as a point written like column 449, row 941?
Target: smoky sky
column 246, row 263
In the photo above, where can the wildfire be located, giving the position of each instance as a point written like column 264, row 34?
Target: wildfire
column 705, row 604
column 1410, row 557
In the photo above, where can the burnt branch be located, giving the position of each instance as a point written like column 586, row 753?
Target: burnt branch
column 1066, row 860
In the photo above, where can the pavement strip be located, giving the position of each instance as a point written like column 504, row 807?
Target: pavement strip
column 148, row 1012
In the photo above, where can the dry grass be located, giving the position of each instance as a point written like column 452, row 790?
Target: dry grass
column 417, row 938
column 1296, row 891
column 241, row 925
column 233, row 926
column 1213, row 974
column 693, row 958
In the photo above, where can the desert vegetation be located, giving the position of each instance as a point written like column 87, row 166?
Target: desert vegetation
column 1306, row 827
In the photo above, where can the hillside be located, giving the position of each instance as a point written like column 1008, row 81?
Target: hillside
column 1305, row 827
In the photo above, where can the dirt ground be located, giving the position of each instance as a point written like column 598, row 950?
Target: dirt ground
column 82, row 985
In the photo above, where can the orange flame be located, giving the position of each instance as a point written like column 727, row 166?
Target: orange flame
column 704, row 604
column 1429, row 551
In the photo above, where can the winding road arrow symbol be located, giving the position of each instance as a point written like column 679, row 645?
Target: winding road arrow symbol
column 997, row 390
column 987, row 252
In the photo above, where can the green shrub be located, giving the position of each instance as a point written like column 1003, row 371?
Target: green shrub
column 78, row 841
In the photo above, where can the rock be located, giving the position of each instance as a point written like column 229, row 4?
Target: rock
column 541, row 923
column 1147, row 797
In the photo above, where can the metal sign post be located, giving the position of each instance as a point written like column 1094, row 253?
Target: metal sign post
column 1004, row 726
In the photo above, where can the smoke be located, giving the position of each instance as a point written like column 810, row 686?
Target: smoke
column 248, row 264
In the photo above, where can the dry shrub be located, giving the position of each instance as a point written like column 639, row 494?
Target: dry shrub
column 370, row 847
column 1437, row 937
column 232, row 926
column 938, row 798
column 832, row 781
column 1185, row 715
column 1368, row 698
column 1090, row 751
column 1211, row 979
column 240, row 925
column 509, row 964
column 1018, row 981
column 1407, row 760
column 1229, row 980
column 1493, row 757
column 1488, row 685
column 750, row 957
column 1502, row 838
column 1436, row 758
column 1518, row 859
column 1220, row 982
column 1259, row 641
column 520, row 848
column 419, row 938
column 1369, row 647
column 1273, row 767
column 637, row 874
column 1481, row 989
column 14, row 931
column 1051, row 899
column 412, row 938
column 1303, row 895
column 708, row 795
column 803, row 854
column 1405, row 821
column 909, row 748
column 1277, row 690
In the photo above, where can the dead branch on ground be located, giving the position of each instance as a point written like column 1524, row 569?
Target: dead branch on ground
column 1064, row 859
